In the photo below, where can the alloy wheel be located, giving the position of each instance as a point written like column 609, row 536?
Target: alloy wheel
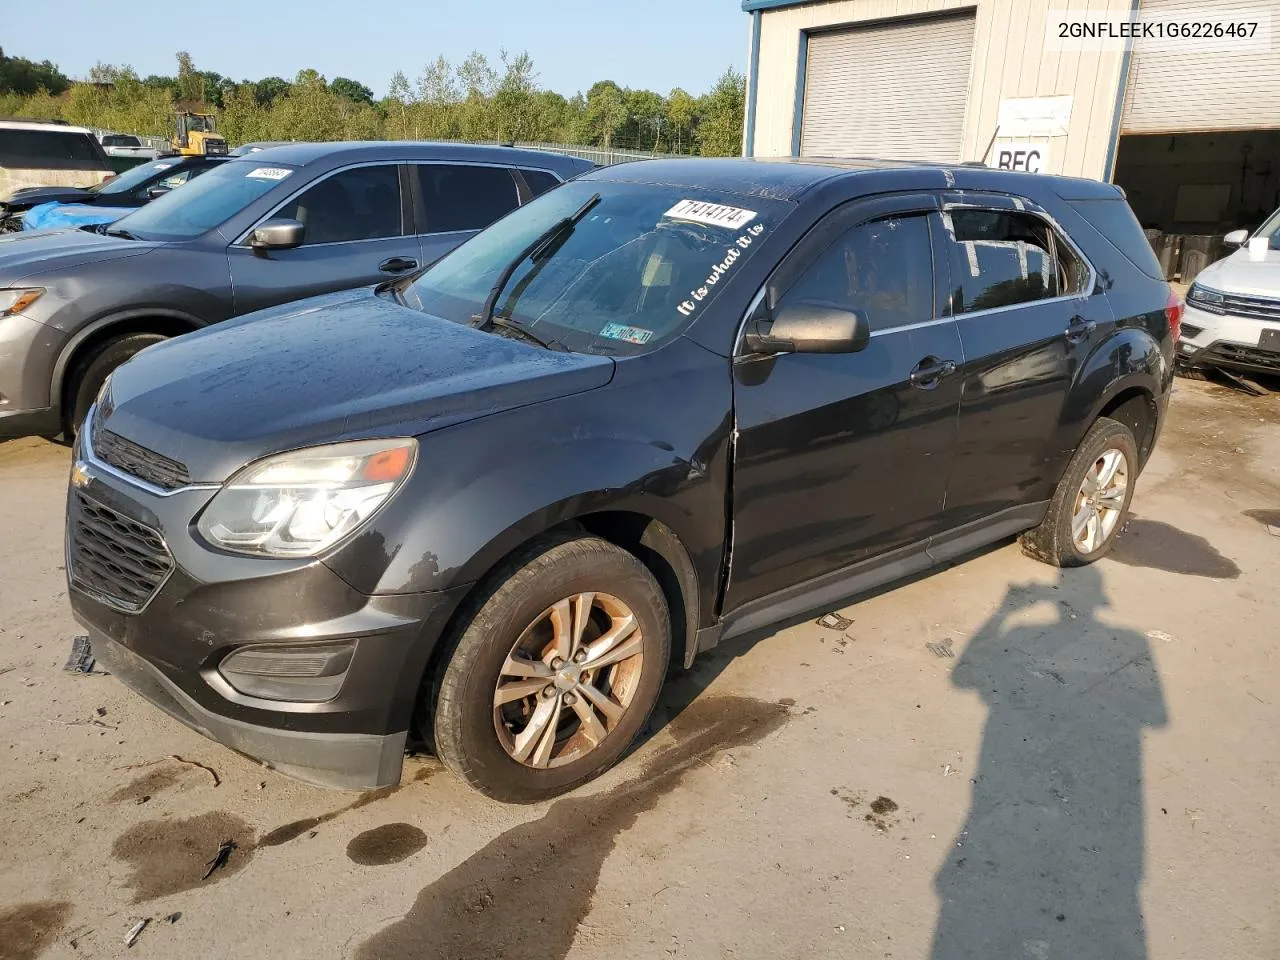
column 568, row 680
column 1100, row 501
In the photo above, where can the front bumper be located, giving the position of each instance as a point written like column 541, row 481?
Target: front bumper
column 167, row 641
column 28, row 351
column 1218, row 340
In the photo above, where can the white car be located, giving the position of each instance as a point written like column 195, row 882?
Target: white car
column 126, row 145
column 1232, row 318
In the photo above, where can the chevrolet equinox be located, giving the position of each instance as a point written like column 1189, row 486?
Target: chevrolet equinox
column 668, row 403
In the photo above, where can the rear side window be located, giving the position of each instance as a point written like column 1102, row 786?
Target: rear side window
column 1116, row 222
column 1000, row 259
column 358, row 204
column 883, row 268
column 539, row 181
column 465, row 197
column 49, row 150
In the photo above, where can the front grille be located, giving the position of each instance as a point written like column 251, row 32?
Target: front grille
column 1255, row 308
column 127, row 456
column 109, row 556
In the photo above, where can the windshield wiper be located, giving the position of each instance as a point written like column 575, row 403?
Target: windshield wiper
column 535, row 250
column 122, row 233
column 506, row 323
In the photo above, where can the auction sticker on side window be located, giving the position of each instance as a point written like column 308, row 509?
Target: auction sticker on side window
column 712, row 214
column 620, row 331
column 269, row 173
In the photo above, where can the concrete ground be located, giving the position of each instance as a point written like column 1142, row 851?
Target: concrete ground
column 999, row 761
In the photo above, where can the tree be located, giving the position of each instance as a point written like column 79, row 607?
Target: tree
column 513, row 103
column 606, row 112
column 26, row 77
column 436, row 85
column 476, row 77
column 720, row 124
column 190, row 81
column 682, row 110
column 267, row 89
column 648, row 111
column 397, row 101
column 353, row 90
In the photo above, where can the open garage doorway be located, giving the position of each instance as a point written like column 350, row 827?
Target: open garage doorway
column 1190, row 189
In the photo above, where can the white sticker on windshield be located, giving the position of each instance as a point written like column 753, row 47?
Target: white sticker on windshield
column 712, row 214
column 163, row 166
column 718, row 270
column 269, row 173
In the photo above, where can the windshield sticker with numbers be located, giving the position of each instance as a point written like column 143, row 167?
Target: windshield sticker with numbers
column 620, row 331
column 269, row 173
column 711, row 214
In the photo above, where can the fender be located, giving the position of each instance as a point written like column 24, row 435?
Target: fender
column 99, row 324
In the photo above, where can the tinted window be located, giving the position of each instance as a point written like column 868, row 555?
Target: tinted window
column 206, row 202
column 644, row 261
column 539, row 181
column 120, row 140
column 358, row 204
column 883, row 268
column 134, row 177
column 458, row 197
column 49, row 150
column 1115, row 221
column 999, row 259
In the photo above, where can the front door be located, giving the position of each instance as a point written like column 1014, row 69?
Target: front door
column 356, row 235
column 1028, row 316
column 841, row 457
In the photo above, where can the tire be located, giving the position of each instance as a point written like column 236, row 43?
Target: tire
column 1055, row 541
column 482, row 743
column 92, row 372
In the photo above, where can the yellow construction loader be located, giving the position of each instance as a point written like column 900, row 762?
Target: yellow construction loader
column 196, row 136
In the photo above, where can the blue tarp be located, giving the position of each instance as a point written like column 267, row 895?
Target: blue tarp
column 49, row 215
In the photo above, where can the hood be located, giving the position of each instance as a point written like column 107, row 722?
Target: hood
column 1244, row 273
column 30, row 196
column 25, row 254
column 339, row 367
column 48, row 216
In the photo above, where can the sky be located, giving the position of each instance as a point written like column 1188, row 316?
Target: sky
column 653, row 44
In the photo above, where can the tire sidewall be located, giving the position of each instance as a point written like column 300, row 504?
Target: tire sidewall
column 94, row 371
column 1107, row 435
column 487, row 640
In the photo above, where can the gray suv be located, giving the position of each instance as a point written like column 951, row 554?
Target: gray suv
column 278, row 225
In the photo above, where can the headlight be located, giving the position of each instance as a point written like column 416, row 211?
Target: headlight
column 17, row 300
column 298, row 504
column 1205, row 298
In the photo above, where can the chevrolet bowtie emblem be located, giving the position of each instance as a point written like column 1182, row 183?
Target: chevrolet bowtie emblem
column 80, row 475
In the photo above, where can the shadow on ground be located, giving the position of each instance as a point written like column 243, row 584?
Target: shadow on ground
column 1049, row 861
column 1150, row 543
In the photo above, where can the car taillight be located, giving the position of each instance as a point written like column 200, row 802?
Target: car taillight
column 1173, row 310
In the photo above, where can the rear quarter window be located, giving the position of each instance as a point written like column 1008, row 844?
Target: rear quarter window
column 49, row 150
column 1119, row 227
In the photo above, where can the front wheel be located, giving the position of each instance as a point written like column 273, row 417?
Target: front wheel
column 92, row 372
column 1091, row 503
column 555, row 674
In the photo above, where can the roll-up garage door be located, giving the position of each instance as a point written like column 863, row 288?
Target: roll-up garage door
column 895, row 90
column 1199, row 90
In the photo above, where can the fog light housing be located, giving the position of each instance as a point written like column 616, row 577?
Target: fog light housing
column 310, row 673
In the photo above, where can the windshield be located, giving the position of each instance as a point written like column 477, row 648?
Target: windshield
column 204, row 203
column 133, row 177
column 1271, row 231
column 642, row 263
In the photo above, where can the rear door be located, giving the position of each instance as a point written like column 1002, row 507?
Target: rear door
column 842, row 457
column 357, row 233
column 453, row 201
column 1028, row 313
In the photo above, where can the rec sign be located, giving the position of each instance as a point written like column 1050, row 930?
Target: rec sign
column 1029, row 155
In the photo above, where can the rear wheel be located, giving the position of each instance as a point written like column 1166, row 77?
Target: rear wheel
column 92, row 372
column 1091, row 503
column 555, row 673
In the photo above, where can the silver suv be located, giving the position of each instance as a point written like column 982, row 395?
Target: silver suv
column 1233, row 309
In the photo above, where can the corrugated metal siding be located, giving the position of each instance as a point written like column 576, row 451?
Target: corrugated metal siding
column 1215, row 89
column 1009, row 60
column 896, row 90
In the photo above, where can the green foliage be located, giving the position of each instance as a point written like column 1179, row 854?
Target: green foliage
column 472, row 100
column 19, row 75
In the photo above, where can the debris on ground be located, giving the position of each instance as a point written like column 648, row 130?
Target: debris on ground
column 1161, row 635
column 173, row 917
column 136, row 931
column 833, row 621
column 941, row 649
column 81, row 659
column 217, row 780
column 1273, row 530
column 220, row 858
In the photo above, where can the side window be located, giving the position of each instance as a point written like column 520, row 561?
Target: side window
column 1001, row 258
column 358, row 204
column 883, row 268
column 539, row 181
column 462, row 197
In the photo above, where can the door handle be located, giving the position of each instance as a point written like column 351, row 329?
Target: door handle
column 397, row 265
column 926, row 374
column 1080, row 329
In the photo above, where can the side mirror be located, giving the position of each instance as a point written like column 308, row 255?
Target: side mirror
column 810, row 327
column 157, row 190
column 278, row 234
column 1237, row 238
